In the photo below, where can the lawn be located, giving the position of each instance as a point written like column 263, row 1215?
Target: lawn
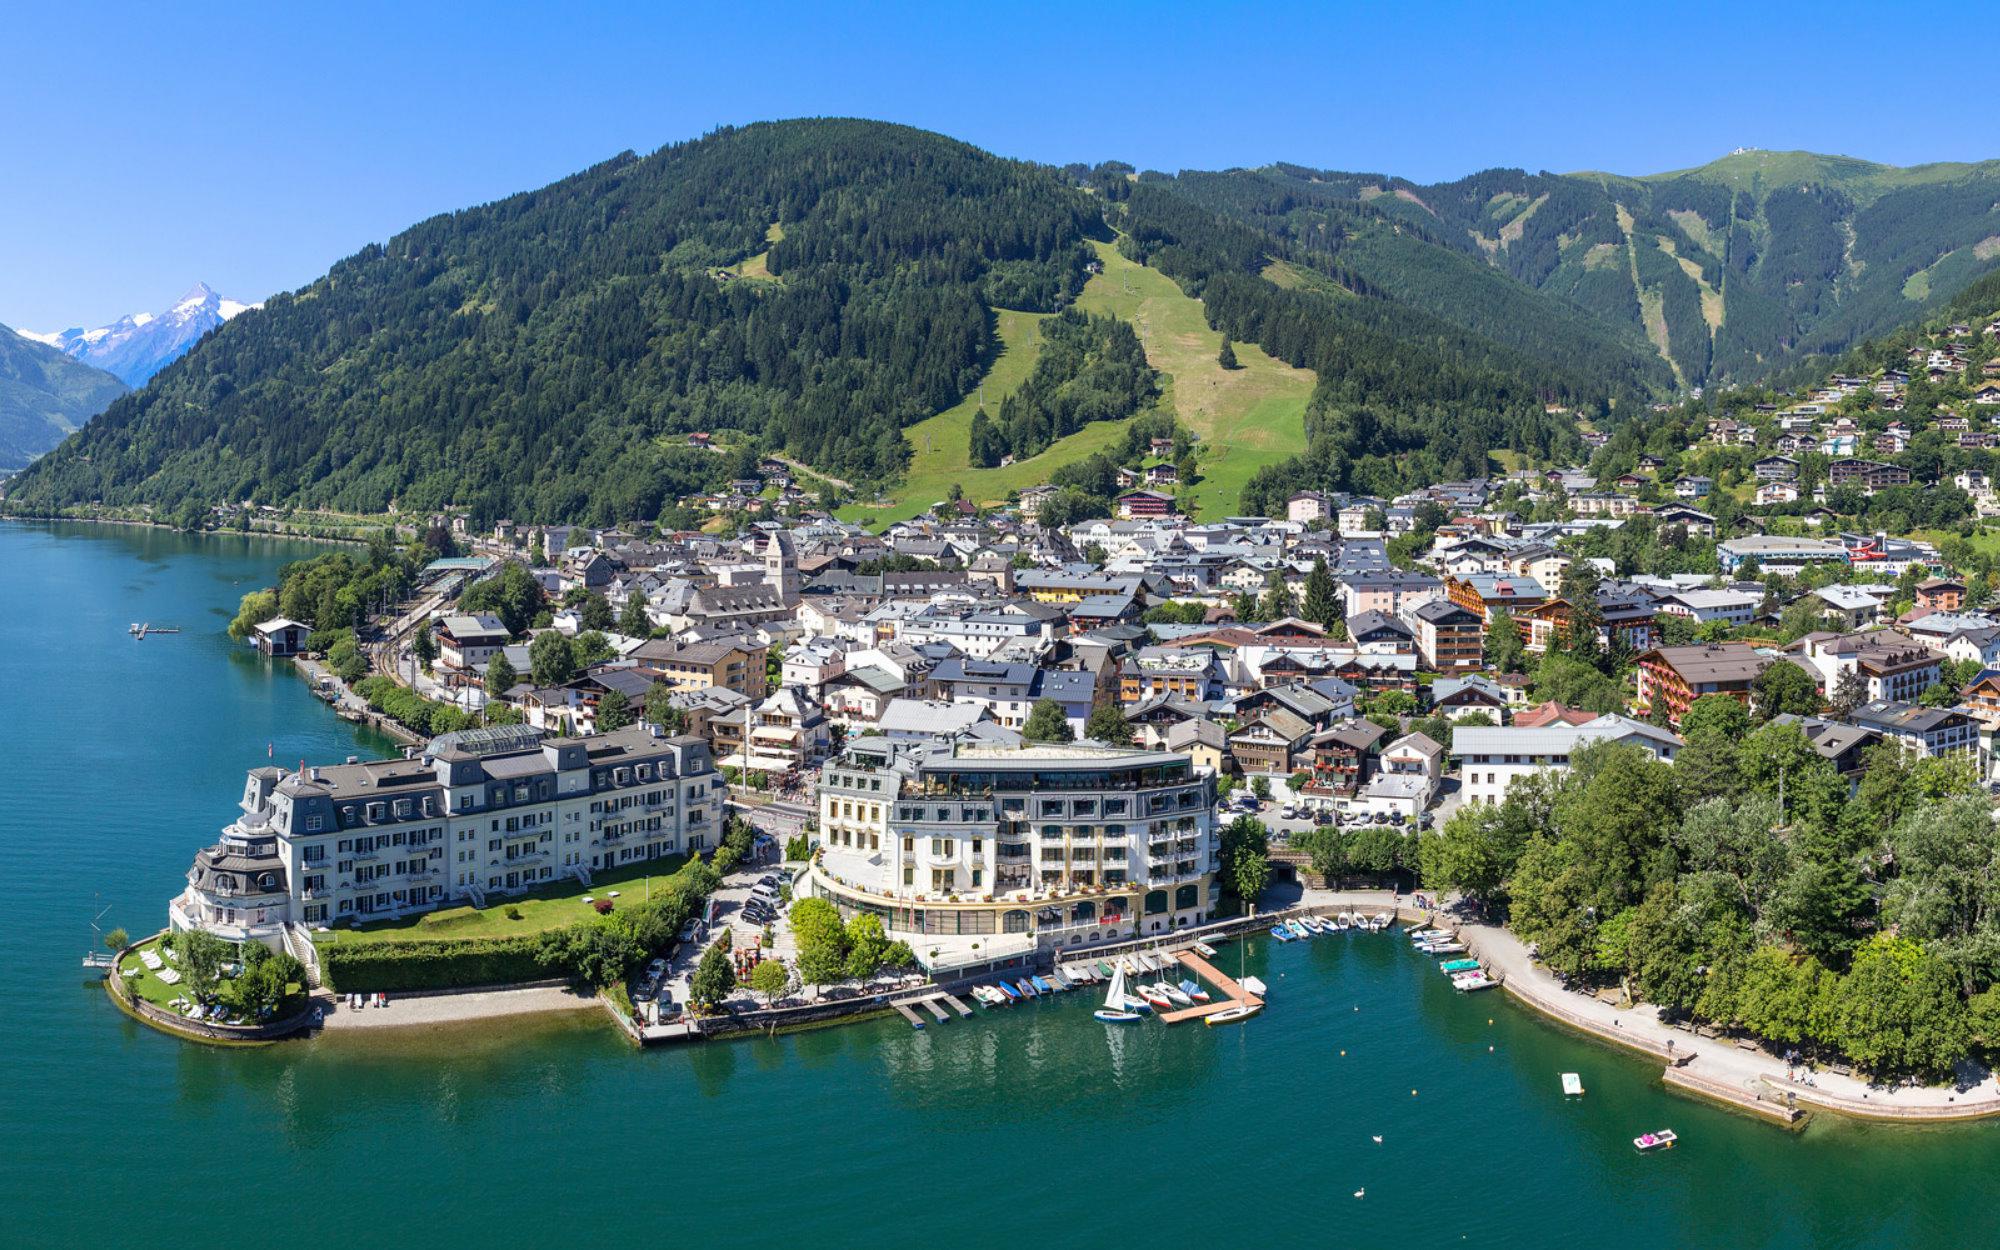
column 1246, row 417
column 553, row 906
column 147, row 984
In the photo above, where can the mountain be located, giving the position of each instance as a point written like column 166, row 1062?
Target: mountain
column 806, row 287
column 137, row 346
column 44, row 395
column 1729, row 270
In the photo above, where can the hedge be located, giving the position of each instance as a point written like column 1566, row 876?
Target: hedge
column 363, row 968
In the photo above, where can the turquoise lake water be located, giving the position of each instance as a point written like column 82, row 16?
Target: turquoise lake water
column 1031, row 1126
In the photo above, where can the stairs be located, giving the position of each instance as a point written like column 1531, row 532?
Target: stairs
column 477, row 895
column 582, row 874
column 299, row 942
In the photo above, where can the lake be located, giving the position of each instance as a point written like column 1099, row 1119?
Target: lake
column 1032, row 1125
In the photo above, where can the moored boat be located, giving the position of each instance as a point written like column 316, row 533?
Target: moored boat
column 1473, row 981
column 1180, row 996
column 1204, row 950
column 1281, row 932
column 1011, row 994
column 1232, row 1015
column 1103, row 969
column 1043, row 984
column 1027, row 988
column 1451, row 966
column 1116, row 1008
column 1194, row 991
column 1664, row 1139
column 1572, row 1085
column 1157, row 1000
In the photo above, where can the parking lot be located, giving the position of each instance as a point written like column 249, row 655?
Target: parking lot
column 737, row 908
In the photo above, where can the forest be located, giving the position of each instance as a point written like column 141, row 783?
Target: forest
column 1090, row 369
column 541, row 357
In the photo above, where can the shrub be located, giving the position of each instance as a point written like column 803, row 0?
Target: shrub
column 603, row 906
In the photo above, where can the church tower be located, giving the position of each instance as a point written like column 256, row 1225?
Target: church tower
column 781, row 567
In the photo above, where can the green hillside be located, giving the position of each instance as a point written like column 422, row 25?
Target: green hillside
column 542, row 357
column 44, row 395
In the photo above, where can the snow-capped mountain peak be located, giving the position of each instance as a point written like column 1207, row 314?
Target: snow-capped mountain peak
column 137, row 346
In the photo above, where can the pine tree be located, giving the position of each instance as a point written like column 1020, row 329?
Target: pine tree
column 425, row 647
column 1227, row 356
column 1278, row 600
column 1322, row 606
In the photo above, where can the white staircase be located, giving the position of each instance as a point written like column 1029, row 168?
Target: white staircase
column 477, row 895
column 582, row 874
column 298, row 940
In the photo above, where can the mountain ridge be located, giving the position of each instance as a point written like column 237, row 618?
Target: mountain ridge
column 139, row 345
column 44, row 397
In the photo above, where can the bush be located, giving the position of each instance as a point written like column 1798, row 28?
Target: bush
column 366, row 967
column 603, row 906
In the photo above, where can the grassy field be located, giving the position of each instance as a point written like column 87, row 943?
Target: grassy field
column 553, row 906
column 1246, row 417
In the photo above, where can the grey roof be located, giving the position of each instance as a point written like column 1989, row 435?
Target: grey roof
column 1548, row 740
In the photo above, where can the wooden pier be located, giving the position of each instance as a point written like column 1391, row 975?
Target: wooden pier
column 957, row 1004
column 1234, row 995
column 916, row 1021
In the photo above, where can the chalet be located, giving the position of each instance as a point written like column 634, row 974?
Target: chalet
column 1484, row 595
column 1145, row 503
column 1342, row 757
column 466, row 642
column 1867, row 475
column 1463, row 696
column 1776, row 468
column 1678, row 676
column 1270, row 742
column 1692, row 520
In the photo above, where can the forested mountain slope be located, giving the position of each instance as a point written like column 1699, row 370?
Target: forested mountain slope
column 1730, row 270
column 43, row 396
column 542, row 356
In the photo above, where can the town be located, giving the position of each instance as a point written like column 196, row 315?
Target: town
column 990, row 745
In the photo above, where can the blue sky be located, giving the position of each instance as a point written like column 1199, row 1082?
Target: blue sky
column 150, row 146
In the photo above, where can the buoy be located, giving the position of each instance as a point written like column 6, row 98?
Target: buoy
column 1489, row 1050
column 1343, row 1054
column 1413, row 1093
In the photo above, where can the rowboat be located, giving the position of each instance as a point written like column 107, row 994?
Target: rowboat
column 1469, row 981
column 1010, row 992
column 1572, row 1085
column 1042, row 985
column 1103, row 969
column 1232, row 1015
column 1450, row 966
column 1027, row 988
column 1281, row 932
column 1445, row 948
column 1662, row 1140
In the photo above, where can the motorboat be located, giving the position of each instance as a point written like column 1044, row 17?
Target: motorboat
column 1444, row 948
column 1281, row 932
column 1663, row 1139
column 1572, row 1085
column 1453, row 966
column 1232, row 1015
column 1473, row 981
column 1027, row 988
column 1204, row 950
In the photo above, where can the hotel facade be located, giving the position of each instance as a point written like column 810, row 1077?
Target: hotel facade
column 485, row 812
column 1059, row 846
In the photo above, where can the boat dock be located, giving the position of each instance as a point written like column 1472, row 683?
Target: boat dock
column 1234, row 995
column 934, row 1002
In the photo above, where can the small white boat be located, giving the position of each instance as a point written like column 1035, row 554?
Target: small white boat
column 1473, row 981
column 1444, row 948
column 1232, row 1015
column 1204, row 950
column 1255, row 986
column 1180, row 996
column 1664, row 1139
column 1157, row 1000
column 1117, row 1008
column 1572, row 1085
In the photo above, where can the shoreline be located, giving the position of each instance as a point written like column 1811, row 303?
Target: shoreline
column 134, row 523
column 1717, row 1068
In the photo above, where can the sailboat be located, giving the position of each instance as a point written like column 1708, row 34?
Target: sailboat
column 1116, row 1010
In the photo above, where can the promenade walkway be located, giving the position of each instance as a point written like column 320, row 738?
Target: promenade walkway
column 1718, row 1065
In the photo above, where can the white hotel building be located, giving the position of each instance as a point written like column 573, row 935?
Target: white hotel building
column 484, row 812
column 970, row 851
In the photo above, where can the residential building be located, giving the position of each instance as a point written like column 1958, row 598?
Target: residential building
column 478, row 813
column 736, row 664
column 1680, row 675
column 1489, row 759
column 1450, row 638
column 465, row 642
